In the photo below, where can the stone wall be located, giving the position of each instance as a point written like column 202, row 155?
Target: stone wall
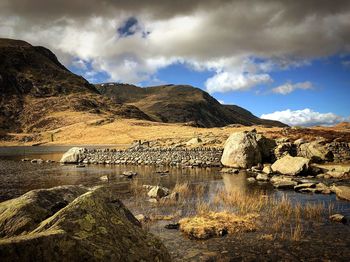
column 340, row 150
column 202, row 157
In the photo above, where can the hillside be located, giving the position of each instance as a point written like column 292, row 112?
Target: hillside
column 34, row 85
column 180, row 104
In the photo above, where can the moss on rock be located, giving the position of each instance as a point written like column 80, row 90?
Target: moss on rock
column 92, row 227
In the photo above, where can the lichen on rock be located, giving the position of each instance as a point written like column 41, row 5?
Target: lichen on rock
column 93, row 226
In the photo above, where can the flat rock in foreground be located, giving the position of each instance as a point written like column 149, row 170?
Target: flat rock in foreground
column 291, row 166
column 74, row 224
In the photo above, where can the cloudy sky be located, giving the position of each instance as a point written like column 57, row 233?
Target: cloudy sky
column 281, row 59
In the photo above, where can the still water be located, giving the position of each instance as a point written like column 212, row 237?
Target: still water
column 17, row 178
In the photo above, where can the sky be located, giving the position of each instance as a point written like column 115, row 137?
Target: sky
column 281, row 59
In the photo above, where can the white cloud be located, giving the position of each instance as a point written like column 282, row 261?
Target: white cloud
column 305, row 117
column 218, row 35
column 226, row 81
column 290, row 87
column 80, row 64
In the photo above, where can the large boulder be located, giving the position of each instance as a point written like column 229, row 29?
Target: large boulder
column 317, row 151
column 291, row 166
column 342, row 192
column 73, row 155
column 241, row 150
column 94, row 226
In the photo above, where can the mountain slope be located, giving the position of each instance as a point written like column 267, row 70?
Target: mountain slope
column 34, row 85
column 181, row 103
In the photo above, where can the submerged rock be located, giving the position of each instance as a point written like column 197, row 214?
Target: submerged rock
column 74, row 224
column 241, row 150
column 291, row 166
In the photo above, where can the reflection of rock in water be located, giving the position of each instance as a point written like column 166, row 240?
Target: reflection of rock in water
column 235, row 183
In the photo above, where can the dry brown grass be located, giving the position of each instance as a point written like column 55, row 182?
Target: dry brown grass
column 183, row 189
column 314, row 211
column 78, row 128
column 243, row 202
column 212, row 224
column 296, row 233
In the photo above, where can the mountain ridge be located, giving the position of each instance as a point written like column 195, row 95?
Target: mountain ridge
column 37, row 93
column 181, row 103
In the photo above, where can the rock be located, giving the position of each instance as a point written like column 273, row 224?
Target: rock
column 194, row 141
column 266, row 146
column 284, row 184
column 262, row 177
column 73, row 224
column 336, row 174
column 241, row 150
column 73, row 155
column 342, row 192
column 174, row 196
column 291, row 166
column 299, row 142
column 284, row 149
column 267, row 169
column 317, row 151
column 257, row 168
column 172, row 226
column 37, row 161
column 158, row 192
column 142, row 218
column 229, row 170
column 307, row 190
column 320, row 176
column 80, row 166
column 129, row 174
column 304, row 185
column 251, row 179
column 322, row 189
column 104, row 178
column 338, row 218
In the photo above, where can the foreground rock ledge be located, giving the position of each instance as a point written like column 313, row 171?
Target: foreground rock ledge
column 73, row 223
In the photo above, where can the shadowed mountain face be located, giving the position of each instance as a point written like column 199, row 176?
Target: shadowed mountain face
column 181, row 103
column 35, row 71
column 34, row 85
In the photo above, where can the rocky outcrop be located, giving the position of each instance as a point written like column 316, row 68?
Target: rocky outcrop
column 291, row 166
column 94, row 226
column 73, row 155
column 241, row 150
column 317, row 151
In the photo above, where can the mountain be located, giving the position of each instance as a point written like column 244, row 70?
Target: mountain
column 181, row 103
column 34, row 85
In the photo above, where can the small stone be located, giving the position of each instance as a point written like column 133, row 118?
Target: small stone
column 304, row 185
column 172, row 226
column 262, row 177
column 338, row 218
column 142, row 218
column 251, row 179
